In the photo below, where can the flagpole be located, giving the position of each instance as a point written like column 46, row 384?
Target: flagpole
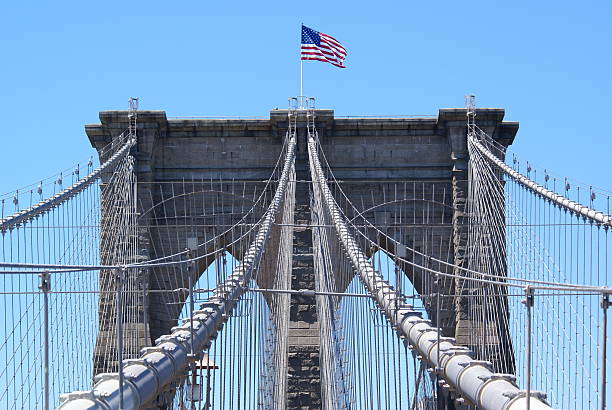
column 301, row 68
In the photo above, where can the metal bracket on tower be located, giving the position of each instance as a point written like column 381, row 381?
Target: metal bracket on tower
column 470, row 105
column 132, row 115
column 292, row 114
column 310, row 115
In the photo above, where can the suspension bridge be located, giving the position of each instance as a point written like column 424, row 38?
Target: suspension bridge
column 305, row 261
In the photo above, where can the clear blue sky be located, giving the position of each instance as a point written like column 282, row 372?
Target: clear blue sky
column 547, row 63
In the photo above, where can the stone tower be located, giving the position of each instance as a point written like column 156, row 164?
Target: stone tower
column 367, row 155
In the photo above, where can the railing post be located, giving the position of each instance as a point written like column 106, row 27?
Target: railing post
column 145, row 315
column 528, row 302
column 438, row 369
column 120, row 277
column 192, row 366
column 45, row 287
column 192, row 246
column 605, row 304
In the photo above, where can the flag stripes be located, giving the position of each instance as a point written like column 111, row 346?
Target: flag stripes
column 322, row 47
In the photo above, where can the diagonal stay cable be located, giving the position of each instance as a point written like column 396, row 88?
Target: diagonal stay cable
column 58, row 199
column 145, row 378
column 471, row 378
column 562, row 201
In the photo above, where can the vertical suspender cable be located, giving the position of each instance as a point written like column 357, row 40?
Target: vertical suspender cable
column 471, row 378
column 158, row 366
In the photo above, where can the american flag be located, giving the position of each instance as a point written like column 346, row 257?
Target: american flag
column 321, row 47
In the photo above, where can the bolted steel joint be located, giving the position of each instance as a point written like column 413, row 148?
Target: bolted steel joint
column 605, row 300
column 45, row 282
column 529, row 297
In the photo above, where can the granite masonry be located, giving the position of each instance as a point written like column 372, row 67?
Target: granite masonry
column 368, row 156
